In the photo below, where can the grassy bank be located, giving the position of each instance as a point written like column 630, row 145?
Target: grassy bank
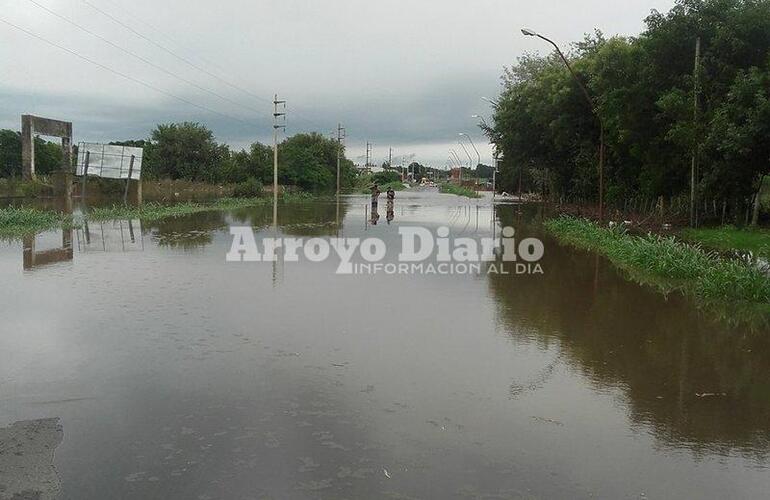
column 727, row 238
column 669, row 263
column 450, row 188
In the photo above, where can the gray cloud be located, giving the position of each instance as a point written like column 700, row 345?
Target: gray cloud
column 407, row 74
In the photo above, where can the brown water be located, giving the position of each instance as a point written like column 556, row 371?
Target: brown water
column 177, row 375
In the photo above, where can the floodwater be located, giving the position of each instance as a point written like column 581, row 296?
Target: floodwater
column 175, row 374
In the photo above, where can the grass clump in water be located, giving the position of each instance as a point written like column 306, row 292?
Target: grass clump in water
column 449, row 188
column 17, row 221
column 155, row 211
column 677, row 264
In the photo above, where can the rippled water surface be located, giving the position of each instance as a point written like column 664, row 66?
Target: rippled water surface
column 175, row 374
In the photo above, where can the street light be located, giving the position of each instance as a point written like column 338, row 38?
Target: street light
column 470, row 160
column 463, row 134
column 478, row 156
column 529, row 32
column 483, row 121
column 459, row 164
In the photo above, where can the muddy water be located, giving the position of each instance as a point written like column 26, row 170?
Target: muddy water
column 177, row 375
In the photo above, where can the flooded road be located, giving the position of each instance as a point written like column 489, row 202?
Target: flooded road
column 175, row 374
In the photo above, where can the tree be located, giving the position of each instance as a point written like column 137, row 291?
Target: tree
column 48, row 155
column 185, row 151
column 644, row 90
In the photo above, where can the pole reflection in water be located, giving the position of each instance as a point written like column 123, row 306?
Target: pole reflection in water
column 32, row 257
column 111, row 236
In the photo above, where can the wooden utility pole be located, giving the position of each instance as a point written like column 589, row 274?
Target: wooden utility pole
column 695, row 146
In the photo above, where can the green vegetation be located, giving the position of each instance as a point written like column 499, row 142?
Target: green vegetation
column 643, row 88
column 756, row 241
column 385, row 180
column 19, row 221
column 156, row 211
column 14, row 187
column 189, row 151
column 16, row 222
column 48, row 155
column 669, row 263
column 449, row 188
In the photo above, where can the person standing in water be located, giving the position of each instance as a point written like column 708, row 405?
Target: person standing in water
column 375, row 201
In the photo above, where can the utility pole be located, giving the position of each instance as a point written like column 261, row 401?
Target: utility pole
column 694, row 163
column 340, row 137
column 276, row 127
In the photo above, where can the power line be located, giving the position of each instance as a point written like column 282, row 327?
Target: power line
column 144, row 60
column 171, row 52
column 123, row 75
column 190, row 63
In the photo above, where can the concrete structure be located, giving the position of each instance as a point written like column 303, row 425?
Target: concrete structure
column 33, row 125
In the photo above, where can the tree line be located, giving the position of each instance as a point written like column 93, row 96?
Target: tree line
column 190, row 151
column 657, row 108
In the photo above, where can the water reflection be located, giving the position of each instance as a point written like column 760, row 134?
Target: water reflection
column 198, row 377
column 33, row 257
column 111, row 236
column 692, row 381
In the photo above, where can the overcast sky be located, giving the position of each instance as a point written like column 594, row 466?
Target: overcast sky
column 401, row 74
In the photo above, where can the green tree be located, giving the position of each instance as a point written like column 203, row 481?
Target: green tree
column 186, row 151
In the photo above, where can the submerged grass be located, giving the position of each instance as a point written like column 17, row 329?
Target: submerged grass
column 450, row 188
column 756, row 241
column 18, row 221
column 155, row 211
column 672, row 264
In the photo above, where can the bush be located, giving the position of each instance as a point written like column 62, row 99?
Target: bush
column 386, row 177
column 250, row 188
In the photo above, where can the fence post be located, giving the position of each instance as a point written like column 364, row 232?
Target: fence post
column 85, row 176
column 128, row 181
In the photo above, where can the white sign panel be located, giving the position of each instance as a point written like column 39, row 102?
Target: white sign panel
column 112, row 162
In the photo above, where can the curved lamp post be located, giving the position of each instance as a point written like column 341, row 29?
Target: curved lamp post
column 459, row 163
column 478, row 156
column 528, row 32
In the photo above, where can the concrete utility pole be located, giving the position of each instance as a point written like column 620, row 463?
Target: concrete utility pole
column 340, row 137
column 694, row 163
column 276, row 127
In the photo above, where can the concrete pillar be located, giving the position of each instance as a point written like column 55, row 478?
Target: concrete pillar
column 66, row 149
column 27, row 148
column 62, row 183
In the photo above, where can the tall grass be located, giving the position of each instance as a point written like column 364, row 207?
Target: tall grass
column 679, row 265
column 449, row 188
column 756, row 241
